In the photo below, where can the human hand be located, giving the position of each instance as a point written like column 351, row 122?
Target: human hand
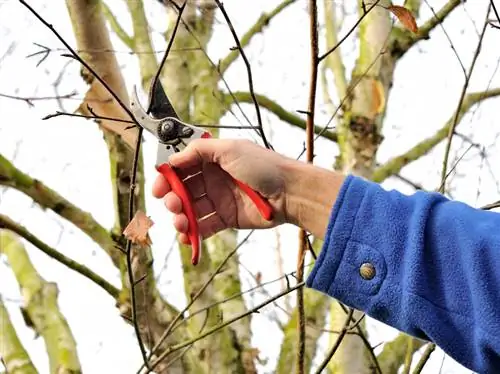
column 218, row 202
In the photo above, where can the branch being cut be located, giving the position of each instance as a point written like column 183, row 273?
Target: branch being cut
column 41, row 307
column 7, row 223
column 249, row 74
column 280, row 112
column 394, row 165
column 14, row 357
column 263, row 21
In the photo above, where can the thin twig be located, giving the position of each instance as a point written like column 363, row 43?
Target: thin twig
column 96, row 117
column 249, row 73
column 332, row 49
column 239, row 294
column 79, row 59
column 224, row 324
column 460, row 102
column 462, row 66
column 336, row 345
column 194, row 298
column 29, row 100
column 497, row 15
column 491, row 206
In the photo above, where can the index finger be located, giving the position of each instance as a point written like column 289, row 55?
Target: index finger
column 160, row 187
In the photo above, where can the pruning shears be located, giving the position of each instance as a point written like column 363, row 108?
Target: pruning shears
column 173, row 135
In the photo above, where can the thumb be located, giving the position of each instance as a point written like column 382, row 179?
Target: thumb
column 197, row 152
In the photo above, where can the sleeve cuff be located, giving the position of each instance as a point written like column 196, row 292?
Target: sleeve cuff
column 346, row 269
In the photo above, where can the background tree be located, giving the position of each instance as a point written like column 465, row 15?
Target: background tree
column 210, row 80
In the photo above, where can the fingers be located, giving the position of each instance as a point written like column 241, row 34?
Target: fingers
column 198, row 151
column 160, row 186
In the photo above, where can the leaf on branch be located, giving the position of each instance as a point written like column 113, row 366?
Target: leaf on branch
column 405, row 17
column 137, row 229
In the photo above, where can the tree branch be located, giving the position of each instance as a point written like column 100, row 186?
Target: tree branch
column 315, row 310
column 404, row 39
column 41, row 307
column 454, row 124
column 263, row 21
column 116, row 27
column 47, row 198
column 394, row 165
column 7, row 223
column 14, row 357
column 394, row 352
column 333, row 61
column 148, row 63
column 280, row 112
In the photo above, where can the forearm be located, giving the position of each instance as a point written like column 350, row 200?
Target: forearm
column 311, row 193
column 436, row 267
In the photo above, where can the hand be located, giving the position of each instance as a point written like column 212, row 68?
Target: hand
column 219, row 203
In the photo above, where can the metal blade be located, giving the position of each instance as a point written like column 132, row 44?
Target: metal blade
column 159, row 104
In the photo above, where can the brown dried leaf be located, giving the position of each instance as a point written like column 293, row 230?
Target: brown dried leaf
column 137, row 229
column 405, row 17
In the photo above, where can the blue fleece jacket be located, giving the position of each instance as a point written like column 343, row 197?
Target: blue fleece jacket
column 437, row 267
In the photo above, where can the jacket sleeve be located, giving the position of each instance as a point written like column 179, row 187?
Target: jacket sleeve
column 436, row 267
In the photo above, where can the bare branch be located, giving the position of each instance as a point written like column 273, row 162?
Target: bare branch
column 116, row 27
column 303, row 239
column 7, row 223
column 425, row 357
column 336, row 345
column 282, row 113
column 394, row 352
column 12, row 353
column 47, row 198
column 491, row 206
column 263, row 21
column 403, row 42
column 395, row 164
column 249, row 73
column 148, row 63
column 29, row 99
column 334, row 61
column 224, row 324
column 79, row 59
column 41, row 307
column 334, row 48
column 451, row 129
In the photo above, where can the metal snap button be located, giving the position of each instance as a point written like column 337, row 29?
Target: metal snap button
column 367, row 271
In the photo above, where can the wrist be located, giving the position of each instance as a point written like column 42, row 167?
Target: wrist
column 310, row 192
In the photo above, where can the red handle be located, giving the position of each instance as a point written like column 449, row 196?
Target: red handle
column 193, row 232
column 261, row 203
column 265, row 209
column 187, row 204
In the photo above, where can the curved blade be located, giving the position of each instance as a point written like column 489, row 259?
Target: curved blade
column 147, row 122
column 159, row 104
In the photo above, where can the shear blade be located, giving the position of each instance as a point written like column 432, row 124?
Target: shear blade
column 159, row 104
